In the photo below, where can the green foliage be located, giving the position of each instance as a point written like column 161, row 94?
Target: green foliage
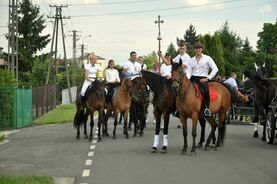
column 7, row 78
column 268, row 39
column 30, row 27
column 2, row 138
column 171, row 50
column 150, row 59
column 26, row 180
column 62, row 80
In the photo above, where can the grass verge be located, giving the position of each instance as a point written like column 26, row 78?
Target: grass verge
column 61, row 114
column 2, row 138
column 26, row 180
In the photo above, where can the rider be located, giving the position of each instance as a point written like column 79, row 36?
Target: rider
column 166, row 68
column 112, row 78
column 131, row 67
column 143, row 65
column 91, row 70
column 198, row 69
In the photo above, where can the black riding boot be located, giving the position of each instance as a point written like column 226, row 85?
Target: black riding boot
column 205, row 87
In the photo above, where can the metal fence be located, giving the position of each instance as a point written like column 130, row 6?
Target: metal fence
column 15, row 107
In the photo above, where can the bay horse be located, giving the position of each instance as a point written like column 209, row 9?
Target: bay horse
column 95, row 101
column 264, row 93
column 164, row 104
column 189, row 104
column 139, row 104
column 120, row 103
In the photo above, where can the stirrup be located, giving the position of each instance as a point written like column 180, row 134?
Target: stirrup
column 207, row 112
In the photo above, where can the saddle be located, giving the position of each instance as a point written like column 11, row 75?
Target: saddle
column 213, row 93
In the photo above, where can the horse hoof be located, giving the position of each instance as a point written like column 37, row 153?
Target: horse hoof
column 207, row 147
column 164, row 149
column 184, row 152
column 127, row 136
column 263, row 138
column 153, row 150
column 255, row 134
column 99, row 139
column 90, row 139
column 199, row 145
column 192, row 152
column 114, row 136
column 141, row 134
column 86, row 136
column 213, row 146
column 135, row 135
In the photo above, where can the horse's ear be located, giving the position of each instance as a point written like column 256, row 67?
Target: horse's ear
column 256, row 66
column 180, row 62
column 264, row 65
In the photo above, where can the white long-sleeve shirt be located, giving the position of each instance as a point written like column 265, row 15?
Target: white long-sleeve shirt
column 112, row 75
column 165, row 70
column 202, row 67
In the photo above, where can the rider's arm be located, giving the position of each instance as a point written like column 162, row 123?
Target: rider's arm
column 86, row 75
column 213, row 67
column 167, row 62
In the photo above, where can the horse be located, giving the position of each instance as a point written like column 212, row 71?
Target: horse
column 120, row 103
column 95, row 100
column 139, row 104
column 164, row 104
column 264, row 93
column 189, row 104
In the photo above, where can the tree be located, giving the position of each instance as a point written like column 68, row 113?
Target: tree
column 268, row 39
column 30, row 27
column 171, row 50
column 150, row 59
column 190, row 37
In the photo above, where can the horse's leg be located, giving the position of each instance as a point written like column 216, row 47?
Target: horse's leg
column 91, row 126
column 142, row 120
column 194, row 127
column 85, row 124
column 221, row 122
column 77, row 122
column 255, row 121
column 202, row 122
column 213, row 123
column 126, row 112
column 185, row 133
column 100, row 120
column 165, row 132
column 263, row 122
column 115, row 122
column 134, row 117
column 157, row 131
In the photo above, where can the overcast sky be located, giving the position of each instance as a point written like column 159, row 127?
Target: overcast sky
column 115, row 32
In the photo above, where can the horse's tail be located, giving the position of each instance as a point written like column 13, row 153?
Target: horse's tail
column 79, row 118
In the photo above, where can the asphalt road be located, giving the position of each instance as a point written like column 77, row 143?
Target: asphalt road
column 53, row 150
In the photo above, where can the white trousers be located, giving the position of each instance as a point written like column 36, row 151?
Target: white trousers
column 85, row 86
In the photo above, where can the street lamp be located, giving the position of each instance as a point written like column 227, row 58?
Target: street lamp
column 83, row 39
column 82, row 46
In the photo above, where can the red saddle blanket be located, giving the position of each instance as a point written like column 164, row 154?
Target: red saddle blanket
column 213, row 93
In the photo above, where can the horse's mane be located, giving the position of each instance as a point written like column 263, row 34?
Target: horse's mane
column 157, row 82
column 175, row 66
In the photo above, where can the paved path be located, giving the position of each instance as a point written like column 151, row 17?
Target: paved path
column 53, row 150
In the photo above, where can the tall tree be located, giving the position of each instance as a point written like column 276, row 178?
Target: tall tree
column 190, row 37
column 150, row 59
column 30, row 27
column 268, row 38
column 171, row 50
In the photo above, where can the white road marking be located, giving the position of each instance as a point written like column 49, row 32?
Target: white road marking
column 88, row 162
column 92, row 147
column 94, row 141
column 90, row 154
column 86, row 172
column 96, row 132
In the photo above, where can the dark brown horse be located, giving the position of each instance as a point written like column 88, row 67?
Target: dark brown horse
column 120, row 103
column 189, row 105
column 139, row 104
column 95, row 100
column 163, row 102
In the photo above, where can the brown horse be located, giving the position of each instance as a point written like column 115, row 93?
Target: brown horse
column 95, row 100
column 189, row 105
column 120, row 103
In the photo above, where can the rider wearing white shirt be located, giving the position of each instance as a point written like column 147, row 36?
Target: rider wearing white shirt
column 166, row 68
column 90, row 73
column 199, row 71
column 232, row 81
column 141, row 62
column 132, row 67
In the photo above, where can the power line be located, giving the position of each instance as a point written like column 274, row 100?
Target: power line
column 161, row 9
column 112, row 3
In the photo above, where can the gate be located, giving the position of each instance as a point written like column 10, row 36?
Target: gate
column 15, row 108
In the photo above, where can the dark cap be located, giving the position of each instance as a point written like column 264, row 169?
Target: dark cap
column 198, row 45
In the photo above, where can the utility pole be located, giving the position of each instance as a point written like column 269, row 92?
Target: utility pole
column 13, row 37
column 83, row 46
column 74, row 62
column 159, row 21
column 55, row 37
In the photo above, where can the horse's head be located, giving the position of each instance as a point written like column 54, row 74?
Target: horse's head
column 100, row 86
column 139, row 90
column 177, row 75
column 261, row 71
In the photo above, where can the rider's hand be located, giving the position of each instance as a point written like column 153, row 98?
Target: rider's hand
column 159, row 53
column 204, row 80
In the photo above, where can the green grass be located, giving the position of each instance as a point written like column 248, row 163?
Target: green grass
column 26, row 180
column 2, row 138
column 61, row 114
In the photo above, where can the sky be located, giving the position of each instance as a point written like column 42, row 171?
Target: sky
column 118, row 27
